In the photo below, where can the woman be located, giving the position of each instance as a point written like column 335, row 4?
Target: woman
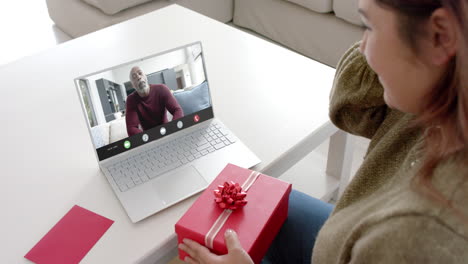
column 405, row 86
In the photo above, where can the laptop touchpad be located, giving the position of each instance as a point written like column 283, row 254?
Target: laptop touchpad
column 179, row 184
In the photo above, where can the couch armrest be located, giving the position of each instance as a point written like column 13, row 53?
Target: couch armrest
column 347, row 10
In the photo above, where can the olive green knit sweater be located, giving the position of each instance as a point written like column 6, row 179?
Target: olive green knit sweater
column 379, row 218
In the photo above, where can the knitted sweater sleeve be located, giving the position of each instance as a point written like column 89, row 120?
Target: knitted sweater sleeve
column 409, row 239
column 356, row 101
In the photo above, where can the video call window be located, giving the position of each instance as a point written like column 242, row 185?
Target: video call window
column 138, row 96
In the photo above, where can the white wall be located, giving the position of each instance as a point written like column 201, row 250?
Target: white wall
column 150, row 65
column 194, row 76
column 195, row 65
column 199, row 72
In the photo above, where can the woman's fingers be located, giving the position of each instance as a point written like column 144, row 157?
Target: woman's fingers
column 236, row 252
column 190, row 260
column 197, row 252
column 232, row 241
column 186, row 249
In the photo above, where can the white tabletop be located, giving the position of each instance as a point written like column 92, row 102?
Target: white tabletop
column 270, row 97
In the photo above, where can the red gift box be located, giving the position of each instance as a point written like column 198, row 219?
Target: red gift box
column 256, row 223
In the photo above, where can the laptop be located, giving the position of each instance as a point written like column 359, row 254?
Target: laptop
column 153, row 128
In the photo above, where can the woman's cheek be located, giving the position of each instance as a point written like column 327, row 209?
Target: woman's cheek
column 387, row 99
column 370, row 59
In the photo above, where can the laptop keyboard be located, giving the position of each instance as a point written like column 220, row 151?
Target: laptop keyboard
column 145, row 166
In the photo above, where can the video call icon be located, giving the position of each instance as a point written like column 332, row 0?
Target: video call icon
column 180, row 124
column 145, row 137
column 196, row 118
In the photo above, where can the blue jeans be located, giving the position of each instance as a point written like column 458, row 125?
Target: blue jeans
column 296, row 238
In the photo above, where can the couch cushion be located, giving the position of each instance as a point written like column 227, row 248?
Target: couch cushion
column 77, row 18
column 112, row 7
column 323, row 37
column 100, row 135
column 117, row 130
column 195, row 99
column 347, row 10
column 321, row 6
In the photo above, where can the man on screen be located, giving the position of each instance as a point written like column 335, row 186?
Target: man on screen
column 146, row 107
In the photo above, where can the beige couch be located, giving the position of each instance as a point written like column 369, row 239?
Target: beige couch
column 109, row 132
column 319, row 29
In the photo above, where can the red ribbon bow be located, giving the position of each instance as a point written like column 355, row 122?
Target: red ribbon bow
column 230, row 196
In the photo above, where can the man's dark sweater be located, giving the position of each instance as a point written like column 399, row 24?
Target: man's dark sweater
column 150, row 111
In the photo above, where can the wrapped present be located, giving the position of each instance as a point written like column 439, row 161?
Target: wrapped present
column 252, row 204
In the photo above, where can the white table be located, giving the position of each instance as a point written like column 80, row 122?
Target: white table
column 47, row 158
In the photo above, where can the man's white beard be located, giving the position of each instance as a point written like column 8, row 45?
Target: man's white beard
column 143, row 87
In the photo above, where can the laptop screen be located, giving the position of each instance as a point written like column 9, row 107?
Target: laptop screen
column 133, row 104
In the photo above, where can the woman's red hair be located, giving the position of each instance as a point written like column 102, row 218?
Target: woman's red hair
column 445, row 115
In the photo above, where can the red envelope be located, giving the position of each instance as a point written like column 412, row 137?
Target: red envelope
column 71, row 238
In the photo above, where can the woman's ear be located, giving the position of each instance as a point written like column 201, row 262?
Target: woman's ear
column 443, row 36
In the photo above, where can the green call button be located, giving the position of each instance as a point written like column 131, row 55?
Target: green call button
column 127, row 144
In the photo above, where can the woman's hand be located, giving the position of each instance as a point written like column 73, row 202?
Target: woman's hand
column 202, row 255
